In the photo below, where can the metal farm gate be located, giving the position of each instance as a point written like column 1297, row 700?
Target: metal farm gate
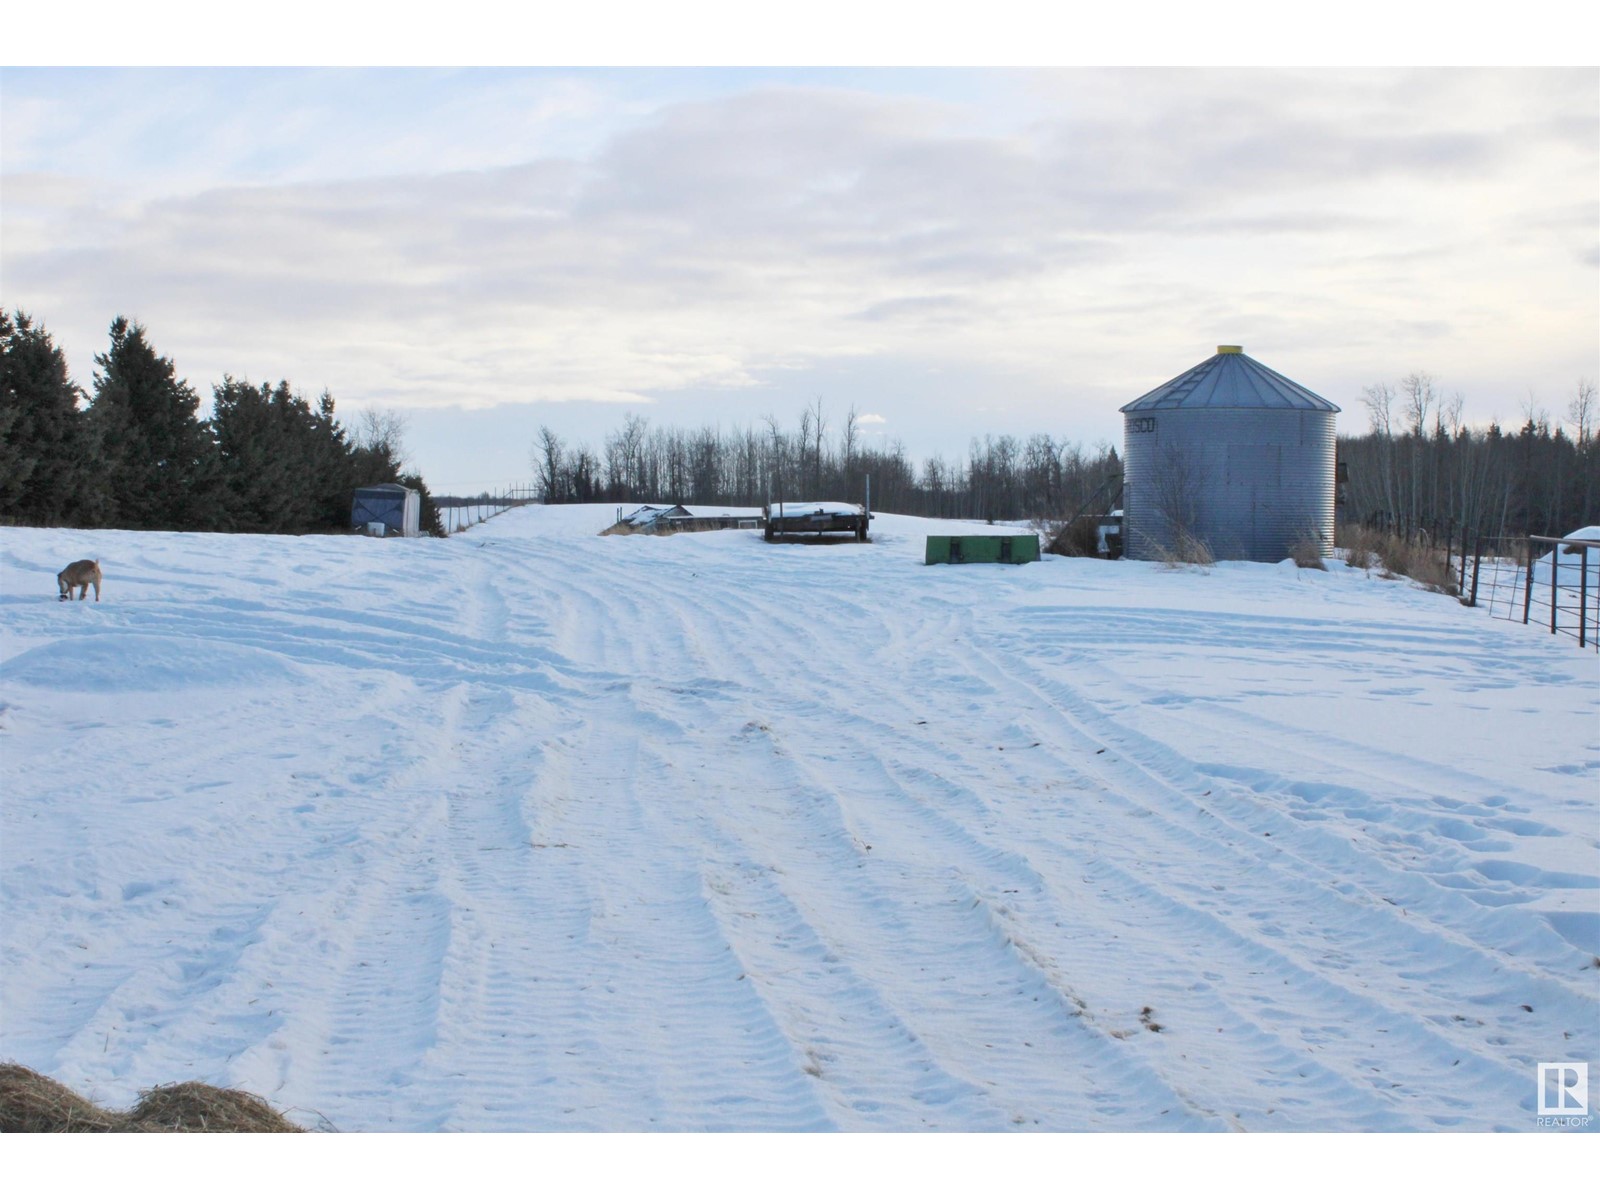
column 1545, row 581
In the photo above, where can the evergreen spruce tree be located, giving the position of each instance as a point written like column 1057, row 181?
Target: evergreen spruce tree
column 47, row 472
column 286, row 467
column 268, row 455
column 334, row 453
column 162, row 467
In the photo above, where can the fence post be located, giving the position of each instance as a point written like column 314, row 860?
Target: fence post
column 1477, row 566
column 1555, row 567
column 1527, row 584
column 1583, row 596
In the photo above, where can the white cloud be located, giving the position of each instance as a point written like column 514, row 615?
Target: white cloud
column 1039, row 246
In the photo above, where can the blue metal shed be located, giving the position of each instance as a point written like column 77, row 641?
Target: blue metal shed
column 394, row 506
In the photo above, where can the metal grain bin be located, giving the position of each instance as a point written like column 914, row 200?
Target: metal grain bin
column 1232, row 455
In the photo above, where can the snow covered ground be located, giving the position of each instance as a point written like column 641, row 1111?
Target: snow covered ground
column 530, row 829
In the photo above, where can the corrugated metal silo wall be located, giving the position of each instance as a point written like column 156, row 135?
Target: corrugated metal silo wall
column 1261, row 479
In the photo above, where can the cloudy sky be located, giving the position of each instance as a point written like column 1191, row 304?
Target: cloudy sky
column 952, row 252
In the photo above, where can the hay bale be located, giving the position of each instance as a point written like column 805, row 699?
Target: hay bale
column 35, row 1103
column 201, row 1108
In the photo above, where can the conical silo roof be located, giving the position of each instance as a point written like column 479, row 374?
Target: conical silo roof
column 1230, row 378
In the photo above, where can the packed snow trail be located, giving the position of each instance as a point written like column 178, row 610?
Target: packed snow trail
column 536, row 830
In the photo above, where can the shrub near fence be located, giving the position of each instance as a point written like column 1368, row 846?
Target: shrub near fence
column 1551, row 582
column 1417, row 556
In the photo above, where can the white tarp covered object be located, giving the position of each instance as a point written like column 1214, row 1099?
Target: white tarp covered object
column 1566, row 561
column 790, row 509
column 816, row 517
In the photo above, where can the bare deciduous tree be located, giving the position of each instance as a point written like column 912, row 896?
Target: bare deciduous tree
column 382, row 430
column 1177, row 488
column 1450, row 414
column 547, row 456
column 1581, row 412
column 1420, row 396
column 819, row 425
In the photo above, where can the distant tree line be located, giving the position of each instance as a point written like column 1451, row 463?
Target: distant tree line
column 1421, row 472
column 999, row 479
column 139, row 456
column 136, row 454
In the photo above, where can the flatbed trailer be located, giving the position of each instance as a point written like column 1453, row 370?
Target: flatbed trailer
column 814, row 518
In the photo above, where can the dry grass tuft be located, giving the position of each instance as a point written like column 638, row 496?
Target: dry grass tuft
column 1360, row 546
column 1307, row 553
column 1433, row 571
column 201, row 1108
column 1424, row 564
column 1079, row 539
column 1186, row 550
column 34, row 1103
column 1398, row 558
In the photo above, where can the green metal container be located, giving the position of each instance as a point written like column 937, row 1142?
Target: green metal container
column 984, row 548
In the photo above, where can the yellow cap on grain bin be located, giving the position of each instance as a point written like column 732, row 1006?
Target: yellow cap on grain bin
column 1230, row 349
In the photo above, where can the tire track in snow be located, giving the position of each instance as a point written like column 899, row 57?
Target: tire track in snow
column 583, row 983
column 364, row 1001
column 1202, row 798
column 593, row 840
column 196, row 990
column 1009, row 1040
column 859, row 692
column 910, row 830
column 677, row 714
column 1250, row 935
column 668, row 1023
column 1332, row 945
column 873, row 1069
